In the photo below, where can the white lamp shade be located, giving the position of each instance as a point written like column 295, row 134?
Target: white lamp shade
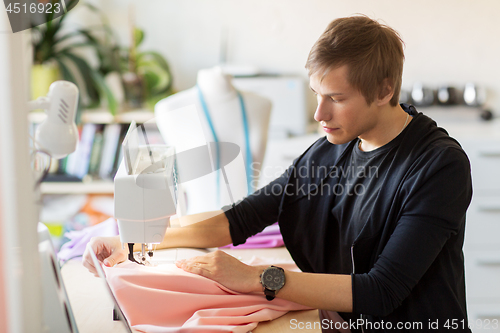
column 58, row 140
column 58, row 134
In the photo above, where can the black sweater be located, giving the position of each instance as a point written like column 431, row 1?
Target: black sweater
column 398, row 230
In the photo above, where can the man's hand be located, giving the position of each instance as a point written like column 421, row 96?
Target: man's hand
column 226, row 270
column 107, row 249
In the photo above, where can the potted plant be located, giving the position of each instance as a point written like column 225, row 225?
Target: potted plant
column 147, row 75
column 144, row 76
column 54, row 58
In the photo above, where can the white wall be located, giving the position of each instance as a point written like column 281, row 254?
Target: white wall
column 447, row 41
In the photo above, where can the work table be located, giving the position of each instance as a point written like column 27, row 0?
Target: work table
column 93, row 308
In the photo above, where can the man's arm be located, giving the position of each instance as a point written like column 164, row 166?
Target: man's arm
column 211, row 229
column 322, row 291
column 199, row 230
column 202, row 230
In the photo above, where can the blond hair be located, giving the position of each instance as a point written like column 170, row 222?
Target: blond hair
column 372, row 51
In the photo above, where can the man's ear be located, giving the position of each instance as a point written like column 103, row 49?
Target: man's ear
column 385, row 93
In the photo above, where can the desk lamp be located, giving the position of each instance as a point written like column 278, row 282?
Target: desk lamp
column 57, row 135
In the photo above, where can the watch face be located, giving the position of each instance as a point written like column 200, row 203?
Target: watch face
column 273, row 278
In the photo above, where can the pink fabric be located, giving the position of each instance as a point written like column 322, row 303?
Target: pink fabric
column 168, row 299
column 269, row 237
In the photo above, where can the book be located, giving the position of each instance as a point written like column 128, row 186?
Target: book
column 78, row 164
column 87, row 141
column 95, row 155
column 111, row 138
column 72, row 159
column 119, row 150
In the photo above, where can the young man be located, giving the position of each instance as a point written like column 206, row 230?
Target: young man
column 373, row 214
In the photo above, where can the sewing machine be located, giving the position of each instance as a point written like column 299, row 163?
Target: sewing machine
column 145, row 193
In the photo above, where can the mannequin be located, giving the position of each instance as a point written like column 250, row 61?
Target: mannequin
column 225, row 112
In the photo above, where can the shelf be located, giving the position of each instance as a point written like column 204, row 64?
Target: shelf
column 102, row 116
column 93, row 187
column 140, row 116
column 97, row 117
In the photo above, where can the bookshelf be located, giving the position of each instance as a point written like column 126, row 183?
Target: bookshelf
column 96, row 172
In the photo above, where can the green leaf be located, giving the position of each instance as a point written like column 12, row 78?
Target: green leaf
column 66, row 36
column 76, row 45
column 87, row 33
column 151, row 80
column 92, row 7
column 138, row 37
column 158, row 79
column 112, row 103
column 157, row 57
column 153, row 64
column 65, row 72
column 67, row 75
column 86, row 73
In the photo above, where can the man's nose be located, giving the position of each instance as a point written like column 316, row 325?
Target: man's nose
column 322, row 112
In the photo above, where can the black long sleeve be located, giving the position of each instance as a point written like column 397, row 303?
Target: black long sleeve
column 251, row 215
column 393, row 218
column 425, row 236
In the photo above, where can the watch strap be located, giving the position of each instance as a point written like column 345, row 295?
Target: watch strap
column 270, row 294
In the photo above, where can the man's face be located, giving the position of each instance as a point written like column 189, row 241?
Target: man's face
column 342, row 110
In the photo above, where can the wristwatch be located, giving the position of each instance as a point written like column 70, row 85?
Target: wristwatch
column 272, row 280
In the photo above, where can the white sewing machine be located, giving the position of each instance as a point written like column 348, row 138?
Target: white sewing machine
column 145, row 192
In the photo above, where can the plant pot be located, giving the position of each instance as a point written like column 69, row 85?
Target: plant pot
column 135, row 90
column 42, row 77
column 115, row 85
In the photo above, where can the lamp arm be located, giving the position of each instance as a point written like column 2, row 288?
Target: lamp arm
column 39, row 103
